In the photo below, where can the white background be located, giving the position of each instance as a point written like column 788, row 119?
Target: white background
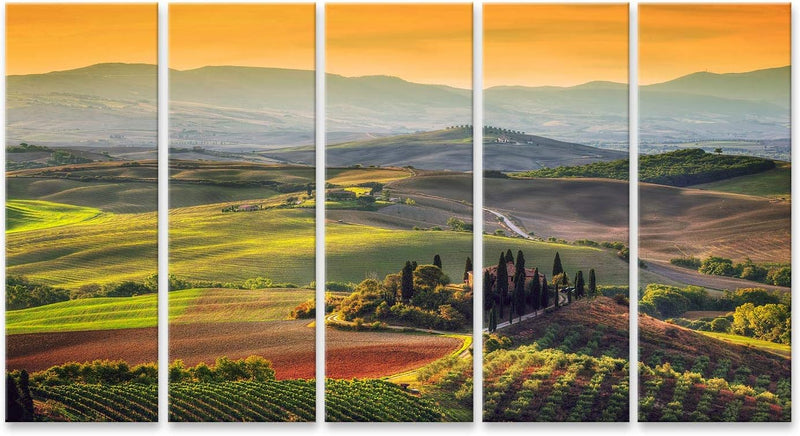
column 633, row 428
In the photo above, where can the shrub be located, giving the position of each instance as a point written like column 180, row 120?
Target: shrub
column 686, row 262
column 304, row 310
column 780, row 277
column 721, row 325
column 666, row 301
column 717, row 266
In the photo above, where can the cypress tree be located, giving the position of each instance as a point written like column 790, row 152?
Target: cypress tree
column 536, row 292
column 437, row 261
column 414, row 265
column 520, row 261
column 488, row 292
column 557, row 268
column 519, row 267
column 555, row 300
column 25, row 399
column 14, row 410
column 569, row 296
column 519, row 291
column 545, row 292
column 592, row 284
column 502, row 283
column 407, row 282
column 467, row 269
column 509, row 256
column 579, row 285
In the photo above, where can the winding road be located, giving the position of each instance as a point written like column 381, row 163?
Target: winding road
column 508, row 223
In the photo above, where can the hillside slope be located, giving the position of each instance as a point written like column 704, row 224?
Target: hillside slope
column 686, row 376
column 569, row 365
column 451, row 149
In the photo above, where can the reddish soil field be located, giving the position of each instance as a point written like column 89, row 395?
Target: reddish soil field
column 288, row 344
column 38, row 351
column 377, row 354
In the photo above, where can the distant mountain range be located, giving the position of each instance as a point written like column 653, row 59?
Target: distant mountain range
column 245, row 108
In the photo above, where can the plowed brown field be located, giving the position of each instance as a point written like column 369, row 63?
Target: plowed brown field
column 288, row 344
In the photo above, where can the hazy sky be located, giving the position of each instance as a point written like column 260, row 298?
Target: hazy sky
column 49, row 37
column 561, row 45
column 675, row 40
column 257, row 35
column 424, row 43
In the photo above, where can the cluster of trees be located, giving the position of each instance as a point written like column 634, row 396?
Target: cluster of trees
column 676, row 168
column 176, row 283
column 26, row 148
column 22, row 293
column 768, row 322
column 62, row 157
column 757, row 313
column 106, row 372
column 771, row 274
column 519, row 294
column 418, row 295
column 252, row 368
column 458, row 225
column 663, row 301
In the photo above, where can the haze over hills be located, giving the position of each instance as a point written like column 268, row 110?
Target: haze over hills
column 451, row 149
column 103, row 105
column 247, row 108
column 752, row 105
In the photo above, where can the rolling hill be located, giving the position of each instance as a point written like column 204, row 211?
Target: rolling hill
column 677, row 222
column 451, row 149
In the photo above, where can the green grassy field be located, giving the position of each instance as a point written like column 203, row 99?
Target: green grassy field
column 85, row 314
column 610, row 269
column 185, row 307
column 115, row 197
column 774, row 183
column 107, row 249
column 206, row 244
column 779, row 349
column 24, row 215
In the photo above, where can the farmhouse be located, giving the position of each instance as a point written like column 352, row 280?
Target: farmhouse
column 512, row 271
column 248, row 208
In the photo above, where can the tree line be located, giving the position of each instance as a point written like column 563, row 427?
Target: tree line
column 676, row 168
column 771, row 274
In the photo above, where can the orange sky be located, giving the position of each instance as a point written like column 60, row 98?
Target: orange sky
column 423, row 43
column 675, row 40
column 49, row 37
column 257, row 35
column 561, row 45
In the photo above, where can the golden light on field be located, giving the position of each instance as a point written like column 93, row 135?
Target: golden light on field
column 423, row 43
column 675, row 40
column 255, row 35
column 560, row 45
column 49, row 37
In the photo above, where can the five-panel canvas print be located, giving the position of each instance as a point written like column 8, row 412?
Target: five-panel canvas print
column 552, row 294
